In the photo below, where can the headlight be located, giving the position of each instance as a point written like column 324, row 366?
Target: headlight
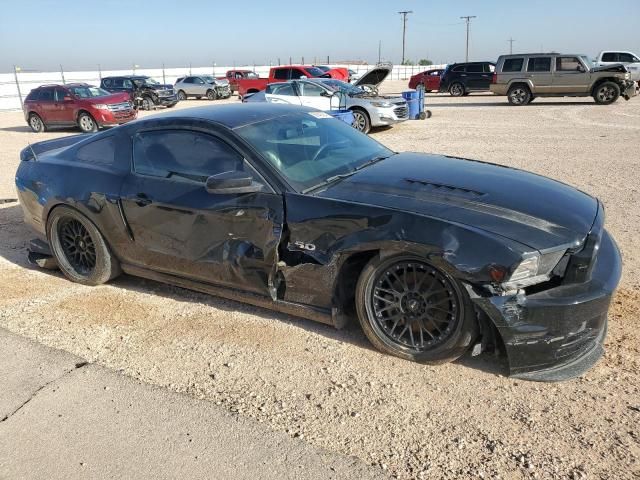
column 533, row 269
column 382, row 104
column 101, row 106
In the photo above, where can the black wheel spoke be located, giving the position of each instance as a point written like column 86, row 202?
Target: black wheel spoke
column 77, row 245
column 414, row 304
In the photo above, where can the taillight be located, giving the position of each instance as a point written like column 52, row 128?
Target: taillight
column 494, row 78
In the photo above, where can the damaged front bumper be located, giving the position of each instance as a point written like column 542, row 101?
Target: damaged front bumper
column 629, row 90
column 558, row 333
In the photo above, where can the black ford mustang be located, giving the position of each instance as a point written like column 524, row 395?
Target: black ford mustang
column 285, row 207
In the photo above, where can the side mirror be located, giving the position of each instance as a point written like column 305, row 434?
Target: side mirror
column 232, row 182
column 324, row 93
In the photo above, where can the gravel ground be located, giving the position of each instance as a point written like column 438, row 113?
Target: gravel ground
column 460, row 420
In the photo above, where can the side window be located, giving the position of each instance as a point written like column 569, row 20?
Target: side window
column 282, row 89
column 33, row 95
column 539, row 64
column 118, row 82
column 513, row 65
column 188, row 80
column 107, row 82
column 296, row 73
column 610, row 57
column 310, row 90
column 126, row 83
column 46, row 95
column 281, row 74
column 626, row 58
column 458, row 69
column 475, row 68
column 198, row 80
column 568, row 64
column 101, row 152
column 59, row 94
column 182, row 154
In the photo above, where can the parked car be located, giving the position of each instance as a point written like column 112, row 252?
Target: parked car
column 287, row 72
column 81, row 104
column 524, row 77
column 143, row 91
column 201, row 86
column 463, row 78
column 284, row 207
column 629, row 59
column 369, row 109
column 430, row 79
column 234, row 75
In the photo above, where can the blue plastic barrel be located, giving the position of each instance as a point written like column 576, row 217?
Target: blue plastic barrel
column 345, row 115
column 413, row 102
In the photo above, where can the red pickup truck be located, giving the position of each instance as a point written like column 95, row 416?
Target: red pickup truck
column 288, row 72
column 234, row 75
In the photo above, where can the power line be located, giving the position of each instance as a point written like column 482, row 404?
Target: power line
column 467, row 19
column 404, row 30
column 511, row 40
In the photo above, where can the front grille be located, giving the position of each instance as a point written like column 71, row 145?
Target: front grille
column 223, row 90
column 401, row 112
column 119, row 107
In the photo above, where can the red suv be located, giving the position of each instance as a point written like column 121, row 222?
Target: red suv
column 79, row 104
column 430, row 79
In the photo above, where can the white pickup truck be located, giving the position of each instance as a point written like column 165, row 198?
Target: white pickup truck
column 628, row 59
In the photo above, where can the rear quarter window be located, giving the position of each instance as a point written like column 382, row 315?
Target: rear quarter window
column 100, row 152
column 33, row 95
column 513, row 65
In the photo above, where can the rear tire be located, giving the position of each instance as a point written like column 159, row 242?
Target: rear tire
column 606, row 93
column 181, row 95
column 456, row 89
column 519, row 95
column 409, row 308
column 361, row 121
column 36, row 123
column 86, row 123
column 80, row 249
column 147, row 103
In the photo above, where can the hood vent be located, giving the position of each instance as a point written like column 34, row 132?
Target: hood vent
column 443, row 189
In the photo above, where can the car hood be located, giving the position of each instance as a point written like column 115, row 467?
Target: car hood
column 613, row 67
column 375, row 76
column 108, row 99
column 533, row 210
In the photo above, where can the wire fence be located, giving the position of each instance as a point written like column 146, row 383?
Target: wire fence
column 14, row 87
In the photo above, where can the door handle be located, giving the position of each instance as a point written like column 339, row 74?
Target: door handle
column 142, row 199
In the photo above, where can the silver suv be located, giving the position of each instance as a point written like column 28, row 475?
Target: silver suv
column 527, row 76
column 202, row 86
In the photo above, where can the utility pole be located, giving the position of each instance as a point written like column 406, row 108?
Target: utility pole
column 404, row 30
column 511, row 40
column 468, row 20
column 380, row 50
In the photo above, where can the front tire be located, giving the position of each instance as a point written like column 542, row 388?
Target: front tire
column 456, row 89
column 80, row 249
column 606, row 93
column 147, row 103
column 361, row 121
column 519, row 95
column 409, row 308
column 212, row 95
column 86, row 123
column 36, row 123
column 181, row 95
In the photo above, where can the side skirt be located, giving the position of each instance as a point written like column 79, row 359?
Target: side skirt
column 296, row 309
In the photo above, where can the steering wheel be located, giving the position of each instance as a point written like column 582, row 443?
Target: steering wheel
column 323, row 149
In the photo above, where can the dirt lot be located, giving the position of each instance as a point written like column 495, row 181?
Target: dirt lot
column 460, row 420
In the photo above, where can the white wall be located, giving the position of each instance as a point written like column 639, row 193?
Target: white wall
column 9, row 99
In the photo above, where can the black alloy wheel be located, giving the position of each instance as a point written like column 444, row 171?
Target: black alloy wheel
column 414, row 310
column 77, row 245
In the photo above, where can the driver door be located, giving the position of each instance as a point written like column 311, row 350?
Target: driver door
column 282, row 93
column 227, row 239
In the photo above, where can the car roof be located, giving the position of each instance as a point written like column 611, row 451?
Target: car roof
column 234, row 115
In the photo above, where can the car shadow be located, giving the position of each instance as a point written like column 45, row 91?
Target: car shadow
column 14, row 240
column 21, row 129
column 506, row 104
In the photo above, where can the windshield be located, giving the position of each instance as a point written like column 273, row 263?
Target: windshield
column 588, row 62
column 339, row 85
column 324, row 68
column 145, row 81
column 314, row 72
column 208, row 78
column 309, row 148
column 88, row 92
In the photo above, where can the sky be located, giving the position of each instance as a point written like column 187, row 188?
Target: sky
column 44, row 34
